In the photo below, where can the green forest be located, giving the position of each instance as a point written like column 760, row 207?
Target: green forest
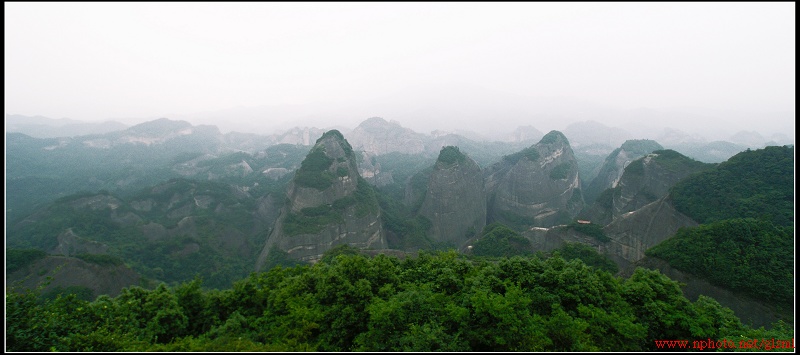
column 754, row 183
column 441, row 301
column 749, row 255
column 746, row 240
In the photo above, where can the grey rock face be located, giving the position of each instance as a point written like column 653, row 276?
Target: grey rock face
column 635, row 232
column 536, row 187
column 363, row 232
column 654, row 182
column 326, row 207
column 628, row 236
column 646, row 180
column 615, row 164
column 370, row 169
column 455, row 201
column 377, row 136
column 344, row 183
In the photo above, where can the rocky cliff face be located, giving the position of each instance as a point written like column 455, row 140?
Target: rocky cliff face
column 635, row 232
column 328, row 203
column 625, row 240
column 370, row 169
column 615, row 164
column 538, row 186
column 455, row 201
column 377, row 136
column 644, row 180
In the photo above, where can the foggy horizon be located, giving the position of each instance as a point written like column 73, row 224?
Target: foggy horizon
column 710, row 68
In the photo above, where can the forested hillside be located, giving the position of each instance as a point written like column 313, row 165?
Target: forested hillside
column 754, row 183
column 170, row 232
column 434, row 302
column 747, row 255
column 746, row 240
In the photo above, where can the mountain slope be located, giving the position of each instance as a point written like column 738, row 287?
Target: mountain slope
column 169, row 232
column 643, row 181
column 328, row 204
column 754, row 183
column 538, row 186
column 615, row 163
column 455, row 201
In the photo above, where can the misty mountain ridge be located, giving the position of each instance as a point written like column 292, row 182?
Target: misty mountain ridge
column 429, row 107
column 425, row 108
column 98, row 158
column 581, row 131
column 43, row 127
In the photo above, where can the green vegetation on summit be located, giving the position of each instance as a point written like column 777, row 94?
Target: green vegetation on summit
column 674, row 161
column 313, row 170
column 450, row 156
column 754, row 183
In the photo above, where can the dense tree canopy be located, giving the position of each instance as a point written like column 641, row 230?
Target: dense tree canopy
column 348, row 302
column 757, row 184
column 740, row 254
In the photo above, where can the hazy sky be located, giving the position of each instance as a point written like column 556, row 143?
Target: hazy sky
column 99, row 61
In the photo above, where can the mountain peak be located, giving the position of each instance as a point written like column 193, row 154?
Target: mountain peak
column 377, row 136
column 160, row 126
column 641, row 146
column 332, row 134
column 328, row 203
column 455, row 198
column 554, row 137
column 375, row 120
column 374, row 123
column 333, row 139
column 450, row 155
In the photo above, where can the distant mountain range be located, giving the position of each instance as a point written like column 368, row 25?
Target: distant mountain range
column 43, row 127
column 514, row 128
column 170, row 199
column 96, row 159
